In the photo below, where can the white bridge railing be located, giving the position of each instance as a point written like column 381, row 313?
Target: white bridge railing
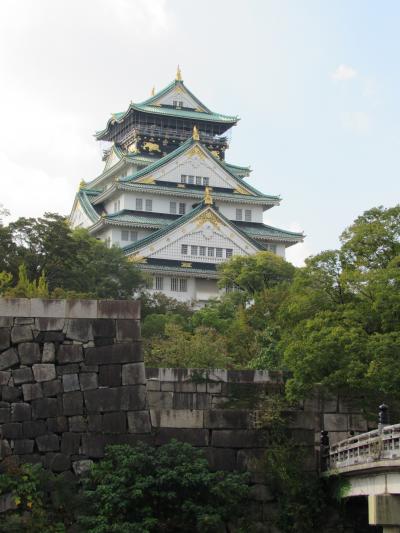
column 379, row 444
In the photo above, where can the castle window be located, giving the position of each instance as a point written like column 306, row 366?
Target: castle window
column 180, row 103
column 175, row 103
column 202, row 250
column 172, row 208
column 198, row 180
column 247, row 215
column 182, row 208
column 193, row 250
column 183, row 178
column 191, row 180
column 158, row 283
column 117, row 206
column 229, row 252
column 183, row 285
column 218, row 252
column 184, row 249
column 149, row 205
column 206, row 182
column 211, row 252
column 125, row 235
column 178, row 284
column 239, row 214
column 139, row 204
column 271, row 248
column 134, row 236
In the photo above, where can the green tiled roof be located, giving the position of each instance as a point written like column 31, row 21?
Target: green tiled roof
column 155, row 220
column 168, row 88
column 87, row 207
column 256, row 230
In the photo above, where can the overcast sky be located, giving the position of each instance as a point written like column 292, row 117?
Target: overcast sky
column 316, row 84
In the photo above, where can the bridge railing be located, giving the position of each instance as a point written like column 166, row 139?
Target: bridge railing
column 379, row 444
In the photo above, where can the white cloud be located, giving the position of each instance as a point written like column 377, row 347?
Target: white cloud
column 357, row 121
column 344, row 73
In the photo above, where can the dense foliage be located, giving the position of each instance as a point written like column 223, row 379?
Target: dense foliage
column 69, row 262
column 133, row 489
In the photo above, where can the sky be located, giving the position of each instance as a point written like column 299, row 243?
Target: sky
column 315, row 83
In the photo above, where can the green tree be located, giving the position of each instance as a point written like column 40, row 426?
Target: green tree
column 168, row 489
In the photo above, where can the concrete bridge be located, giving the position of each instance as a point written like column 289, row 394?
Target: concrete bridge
column 370, row 464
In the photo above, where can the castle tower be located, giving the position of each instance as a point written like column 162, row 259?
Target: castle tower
column 170, row 200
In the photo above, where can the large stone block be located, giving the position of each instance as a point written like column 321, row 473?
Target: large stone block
column 52, row 388
column 139, row 421
column 220, row 458
column 117, row 353
column 128, row 330
column 22, row 375
column 79, row 329
column 20, row 320
column 29, row 353
column 302, row 420
column 193, row 436
column 21, row 334
column 95, row 423
column 70, row 382
column 239, row 438
column 183, row 418
column 110, row 375
column 23, row 446
column 69, row 353
column 49, row 352
column 88, row 381
column 73, row 403
column 114, row 422
column 6, row 321
column 15, row 307
column 4, row 415
column 11, row 430
column 60, row 462
column 4, row 338
column 44, row 372
column 72, row 368
column 227, row 419
column 5, row 376
column 20, row 412
column 133, row 374
column 77, row 424
column 103, row 400
column 93, row 445
column 58, row 424
column 48, row 443
column 34, row 428
column 10, row 394
column 8, row 359
column 49, row 324
column 44, row 408
column 70, row 443
column 32, row 391
column 250, row 460
column 103, row 327
column 46, row 307
column 50, row 336
column 122, row 309
column 335, row 422
column 133, row 398
column 82, row 466
column 357, row 423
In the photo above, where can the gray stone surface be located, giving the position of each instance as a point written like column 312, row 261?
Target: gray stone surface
column 88, row 381
column 4, row 338
column 45, row 408
column 69, row 353
column 133, row 374
column 139, row 422
column 77, row 423
column 11, row 430
column 29, row 353
column 49, row 352
column 44, row 372
column 8, row 359
column 128, row 330
column 70, row 443
column 103, row 327
column 23, row 446
column 34, row 428
column 32, row 391
column 70, row 382
column 20, row 412
column 21, row 334
column 49, row 324
column 110, row 375
column 82, row 466
column 73, row 403
column 227, row 419
column 118, row 353
column 22, row 375
column 52, row 388
column 79, row 329
column 183, row 418
column 48, row 443
column 5, row 376
column 114, row 422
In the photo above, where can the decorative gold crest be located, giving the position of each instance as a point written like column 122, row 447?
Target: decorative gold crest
column 151, row 147
column 195, row 151
column 241, row 190
column 207, row 216
column 137, row 259
column 215, row 153
column 196, row 134
column 178, row 76
column 207, row 196
column 148, row 180
column 186, row 265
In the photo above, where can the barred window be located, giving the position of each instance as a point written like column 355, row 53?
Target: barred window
column 178, row 284
column 198, row 180
column 239, row 214
column 139, row 204
column 228, row 252
column 191, row 180
column 210, row 252
column 182, row 285
column 202, row 250
column 206, row 182
column 184, row 249
column 124, row 235
column 193, row 250
column 158, row 283
column 182, row 209
column 134, row 236
column 149, row 205
column 183, row 178
column 218, row 252
column 172, row 208
column 247, row 215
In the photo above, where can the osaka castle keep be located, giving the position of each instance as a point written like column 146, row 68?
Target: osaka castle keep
column 170, row 200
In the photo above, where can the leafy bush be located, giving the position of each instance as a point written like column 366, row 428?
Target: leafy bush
column 167, row 489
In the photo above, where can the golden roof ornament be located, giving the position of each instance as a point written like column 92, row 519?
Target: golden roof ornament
column 82, row 184
column 153, row 91
column 207, row 196
column 178, row 76
column 196, row 135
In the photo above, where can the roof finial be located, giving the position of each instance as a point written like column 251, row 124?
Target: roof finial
column 195, row 134
column 153, row 91
column 207, row 196
column 82, row 184
column 178, row 76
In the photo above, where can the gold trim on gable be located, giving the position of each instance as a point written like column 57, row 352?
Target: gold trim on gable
column 241, row 190
column 195, row 151
column 137, row 259
column 148, row 180
column 208, row 216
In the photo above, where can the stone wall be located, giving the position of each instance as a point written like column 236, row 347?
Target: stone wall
column 71, row 378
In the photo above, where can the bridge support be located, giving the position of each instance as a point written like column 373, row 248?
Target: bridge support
column 384, row 510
